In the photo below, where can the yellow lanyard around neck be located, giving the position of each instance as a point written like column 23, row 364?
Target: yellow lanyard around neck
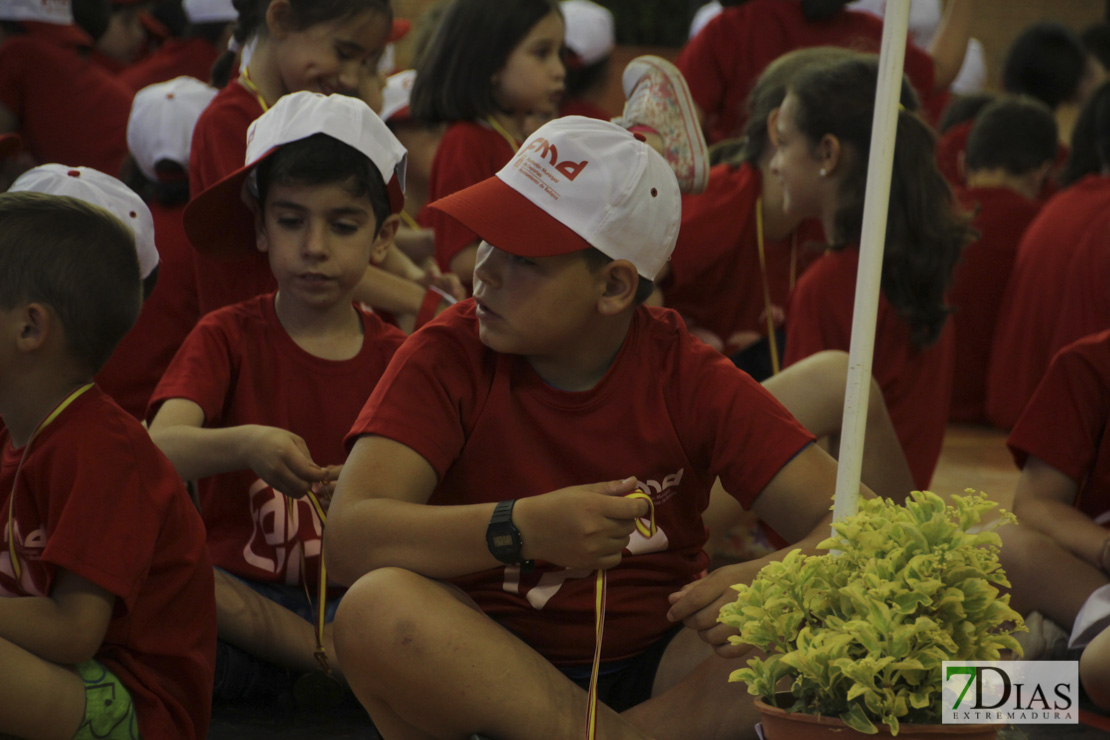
column 17, row 569
column 249, row 84
column 773, row 343
column 509, row 139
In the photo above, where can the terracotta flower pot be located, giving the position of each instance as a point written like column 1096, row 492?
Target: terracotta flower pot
column 778, row 724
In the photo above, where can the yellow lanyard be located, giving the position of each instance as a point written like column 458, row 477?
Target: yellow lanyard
column 249, row 84
column 766, row 281
column 322, row 588
column 648, row 531
column 17, row 569
column 409, row 220
column 513, row 143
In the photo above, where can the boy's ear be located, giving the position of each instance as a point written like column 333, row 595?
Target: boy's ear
column 384, row 240
column 36, row 322
column 621, row 282
column 260, row 241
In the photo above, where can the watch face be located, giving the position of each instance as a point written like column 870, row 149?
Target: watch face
column 502, row 541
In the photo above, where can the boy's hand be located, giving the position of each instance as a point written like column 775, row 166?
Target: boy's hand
column 699, row 604
column 449, row 282
column 581, row 526
column 281, row 459
column 325, row 488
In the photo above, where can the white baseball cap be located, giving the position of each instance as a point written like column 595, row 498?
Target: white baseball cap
column 218, row 220
column 58, row 12
column 162, row 120
column 397, row 94
column 105, row 191
column 209, row 11
column 590, row 32
column 575, row 183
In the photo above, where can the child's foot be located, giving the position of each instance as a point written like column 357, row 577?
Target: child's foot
column 658, row 104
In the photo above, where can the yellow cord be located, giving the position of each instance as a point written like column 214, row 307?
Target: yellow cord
column 512, row 142
column 249, row 84
column 775, row 365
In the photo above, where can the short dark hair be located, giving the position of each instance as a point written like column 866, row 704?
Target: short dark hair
column 470, row 45
column 323, row 160
column 1047, row 61
column 1015, row 132
column 596, row 259
column 963, row 108
column 76, row 258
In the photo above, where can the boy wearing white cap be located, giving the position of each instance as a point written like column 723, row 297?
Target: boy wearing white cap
column 255, row 404
column 100, row 544
column 497, row 452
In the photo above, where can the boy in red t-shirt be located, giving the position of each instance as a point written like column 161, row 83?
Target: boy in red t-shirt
column 528, row 414
column 1010, row 152
column 101, row 546
column 255, row 404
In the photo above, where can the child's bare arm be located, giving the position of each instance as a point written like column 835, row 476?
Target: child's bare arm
column 66, row 627
column 379, row 517
column 277, row 456
column 1044, row 502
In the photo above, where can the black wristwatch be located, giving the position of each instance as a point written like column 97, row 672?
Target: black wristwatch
column 503, row 538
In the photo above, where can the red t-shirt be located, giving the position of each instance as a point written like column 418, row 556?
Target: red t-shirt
column 723, row 61
column 219, row 148
column 174, row 58
column 978, row 283
column 1085, row 308
column 1067, row 422
column 70, row 110
column 584, row 107
column 916, row 384
column 97, row 498
column 241, row 367
column 168, row 315
column 469, row 152
column 670, row 411
column 1031, row 304
column 716, row 281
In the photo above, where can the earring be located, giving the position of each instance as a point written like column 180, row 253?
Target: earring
column 823, row 172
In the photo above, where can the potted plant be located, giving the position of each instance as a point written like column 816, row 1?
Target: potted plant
column 859, row 634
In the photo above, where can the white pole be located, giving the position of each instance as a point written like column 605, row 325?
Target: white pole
column 868, row 279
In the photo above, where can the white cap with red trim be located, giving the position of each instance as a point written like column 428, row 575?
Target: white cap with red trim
column 218, row 220
column 162, row 120
column 105, row 191
column 59, row 12
column 575, row 183
column 397, row 94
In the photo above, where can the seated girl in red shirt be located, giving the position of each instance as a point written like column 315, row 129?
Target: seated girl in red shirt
column 823, row 134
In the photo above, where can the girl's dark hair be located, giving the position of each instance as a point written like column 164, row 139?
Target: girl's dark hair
column 470, row 45
column 172, row 189
column 92, row 16
column 1047, row 61
column 322, row 160
column 305, row 14
column 580, row 80
column 1090, row 138
column 770, row 89
column 925, row 231
column 1016, row 133
column 816, row 11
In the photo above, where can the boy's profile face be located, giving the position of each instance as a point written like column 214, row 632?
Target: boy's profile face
column 320, row 240
column 535, row 307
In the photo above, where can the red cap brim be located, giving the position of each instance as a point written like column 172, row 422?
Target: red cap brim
column 507, row 220
column 218, row 222
column 400, row 29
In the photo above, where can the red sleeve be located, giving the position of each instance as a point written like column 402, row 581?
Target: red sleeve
column 819, row 313
column 1066, row 419
column 219, row 145
column 200, row 371
column 436, row 381
column 742, row 433
column 1085, row 308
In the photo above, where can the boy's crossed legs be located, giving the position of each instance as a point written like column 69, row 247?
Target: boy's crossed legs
column 427, row 663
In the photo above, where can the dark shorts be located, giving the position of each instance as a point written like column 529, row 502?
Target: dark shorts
column 623, row 684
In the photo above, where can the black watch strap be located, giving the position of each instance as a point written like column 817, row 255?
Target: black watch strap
column 503, row 538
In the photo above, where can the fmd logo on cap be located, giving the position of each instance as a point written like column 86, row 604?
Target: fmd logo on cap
column 1018, row 691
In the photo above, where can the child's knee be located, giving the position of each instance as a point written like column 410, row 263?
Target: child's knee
column 382, row 608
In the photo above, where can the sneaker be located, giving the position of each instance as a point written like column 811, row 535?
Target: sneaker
column 1045, row 639
column 657, row 100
